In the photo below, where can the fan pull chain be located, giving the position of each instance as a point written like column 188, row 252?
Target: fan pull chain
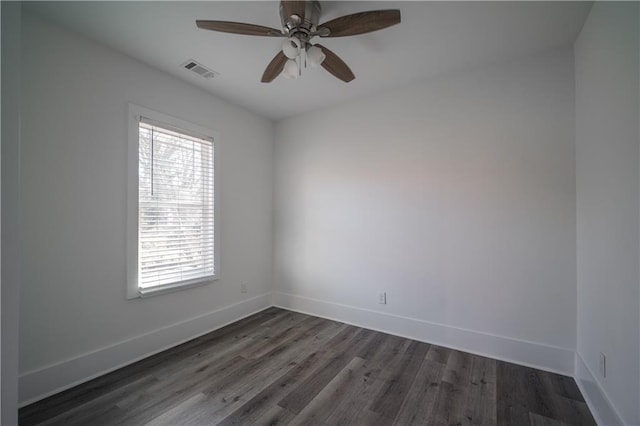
column 303, row 61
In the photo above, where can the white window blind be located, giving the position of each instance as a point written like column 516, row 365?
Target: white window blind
column 175, row 206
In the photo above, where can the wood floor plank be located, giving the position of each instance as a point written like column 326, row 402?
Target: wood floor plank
column 458, row 368
column 419, row 403
column 286, row 317
column 371, row 418
column 371, row 348
column 257, row 407
column 480, row 407
column 275, row 416
column 283, row 367
column 514, row 401
column 538, row 420
column 301, row 395
column 271, row 341
column 391, row 354
column 541, row 402
column 561, row 385
column 175, row 415
column 573, row 412
column 508, row 414
column 457, row 374
column 443, row 405
column 439, row 354
column 391, row 397
column 369, row 382
column 323, row 404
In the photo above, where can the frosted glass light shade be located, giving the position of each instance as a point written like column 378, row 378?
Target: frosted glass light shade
column 290, row 69
column 291, row 47
column 315, row 56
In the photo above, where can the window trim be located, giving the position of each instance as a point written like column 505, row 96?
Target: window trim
column 134, row 112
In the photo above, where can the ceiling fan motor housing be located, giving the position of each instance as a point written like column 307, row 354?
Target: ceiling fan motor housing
column 300, row 16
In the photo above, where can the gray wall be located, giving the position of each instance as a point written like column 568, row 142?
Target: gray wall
column 11, row 21
column 608, row 189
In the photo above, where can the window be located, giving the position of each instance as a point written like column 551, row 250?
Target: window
column 171, row 204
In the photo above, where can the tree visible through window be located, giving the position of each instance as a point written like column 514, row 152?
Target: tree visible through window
column 175, row 206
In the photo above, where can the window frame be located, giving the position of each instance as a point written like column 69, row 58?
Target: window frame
column 134, row 113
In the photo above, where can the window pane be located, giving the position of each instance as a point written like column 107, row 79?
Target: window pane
column 175, row 213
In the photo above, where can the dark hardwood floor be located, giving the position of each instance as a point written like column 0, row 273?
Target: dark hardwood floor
column 281, row 367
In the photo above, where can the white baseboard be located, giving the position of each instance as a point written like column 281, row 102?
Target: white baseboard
column 38, row 384
column 532, row 354
column 599, row 403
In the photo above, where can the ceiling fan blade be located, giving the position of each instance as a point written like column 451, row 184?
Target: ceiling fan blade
column 239, row 28
column 360, row 23
column 274, row 68
column 294, row 7
column 336, row 66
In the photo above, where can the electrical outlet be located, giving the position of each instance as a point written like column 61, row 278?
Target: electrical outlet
column 243, row 288
column 603, row 364
column 382, row 297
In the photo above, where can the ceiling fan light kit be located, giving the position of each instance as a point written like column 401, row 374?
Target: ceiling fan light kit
column 315, row 56
column 299, row 57
column 299, row 25
column 291, row 47
column 291, row 69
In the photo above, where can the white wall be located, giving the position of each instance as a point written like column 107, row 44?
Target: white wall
column 455, row 196
column 11, row 14
column 608, row 189
column 75, row 320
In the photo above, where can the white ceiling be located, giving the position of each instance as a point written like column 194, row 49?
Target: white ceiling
column 433, row 38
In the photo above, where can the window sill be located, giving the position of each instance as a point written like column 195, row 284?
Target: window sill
column 171, row 288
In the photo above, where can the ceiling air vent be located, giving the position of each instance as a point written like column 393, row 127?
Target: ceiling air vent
column 199, row 69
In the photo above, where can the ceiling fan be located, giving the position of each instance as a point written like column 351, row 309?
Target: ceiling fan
column 299, row 25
